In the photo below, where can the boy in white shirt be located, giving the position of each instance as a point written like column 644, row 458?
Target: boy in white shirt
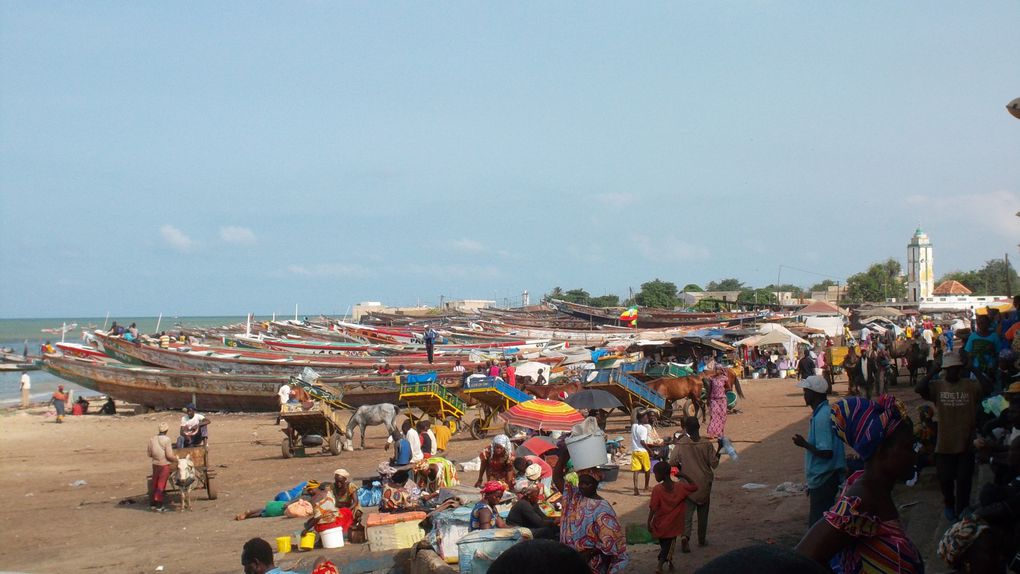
column 640, row 461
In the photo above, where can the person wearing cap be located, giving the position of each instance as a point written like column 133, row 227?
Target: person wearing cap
column 525, row 513
column 194, row 428
column 824, row 459
column 161, row 452
column 484, row 515
column 430, row 336
column 957, row 401
column 345, row 493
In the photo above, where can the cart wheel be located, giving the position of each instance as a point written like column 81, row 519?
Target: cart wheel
column 287, row 452
column 689, row 409
column 477, row 430
column 210, row 490
column 454, row 427
column 335, row 446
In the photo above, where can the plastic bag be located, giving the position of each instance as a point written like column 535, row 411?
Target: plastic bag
column 370, row 496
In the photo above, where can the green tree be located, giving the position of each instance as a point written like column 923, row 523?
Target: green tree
column 731, row 284
column 556, row 293
column 989, row 280
column 823, row 286
column 605, row 301
column 879, row 282
column 692, row 288
column 766, row 295
column 657, row 293
column 579, row 296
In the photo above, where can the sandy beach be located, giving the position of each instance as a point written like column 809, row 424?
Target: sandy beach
column 51, row 525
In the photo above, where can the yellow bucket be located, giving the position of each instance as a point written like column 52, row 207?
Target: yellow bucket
column 307, row 541
column 283, row 544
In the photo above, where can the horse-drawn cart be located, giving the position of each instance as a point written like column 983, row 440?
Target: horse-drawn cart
column 423, row 392
column 493, row 397
column 318, row 426
column 204, row 474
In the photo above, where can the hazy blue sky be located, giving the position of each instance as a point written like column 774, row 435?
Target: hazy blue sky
column 219, row 157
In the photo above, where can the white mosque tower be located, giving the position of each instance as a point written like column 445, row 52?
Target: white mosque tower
column 920, row 267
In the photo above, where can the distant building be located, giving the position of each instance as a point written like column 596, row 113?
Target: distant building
column 832, row 294
column 920, row 267
column 951, row 287
column 468, row 305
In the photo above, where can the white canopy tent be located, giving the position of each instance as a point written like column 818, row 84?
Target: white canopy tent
column 774, row 334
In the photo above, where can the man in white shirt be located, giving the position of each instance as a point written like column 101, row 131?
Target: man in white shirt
column 284, row 394
column 414, row 438
column 26, row 386
column 194, row 428
column 640, row 461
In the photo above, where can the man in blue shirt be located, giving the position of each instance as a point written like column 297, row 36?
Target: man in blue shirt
column 401, row 450
column 430, row 342
column 257, row 558
column 824, row 461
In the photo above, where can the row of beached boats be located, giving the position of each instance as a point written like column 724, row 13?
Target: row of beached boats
column 241, row 367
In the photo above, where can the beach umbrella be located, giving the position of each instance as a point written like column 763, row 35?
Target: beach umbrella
column 543, row 414
column 593, row 399
column 536, row 445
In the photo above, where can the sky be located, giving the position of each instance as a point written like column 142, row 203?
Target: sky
column 231, row 157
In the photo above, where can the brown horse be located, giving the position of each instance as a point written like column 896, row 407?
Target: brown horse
column 676, row 388
column 552, row 392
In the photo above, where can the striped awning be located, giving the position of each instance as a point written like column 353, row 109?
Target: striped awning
column 543, row 414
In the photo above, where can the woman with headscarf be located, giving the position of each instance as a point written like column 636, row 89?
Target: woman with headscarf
column 497, row 462
column 589, row 523
column 718, row 383
column 434, row 473
column 346, row 493
column 397, row 497
column 862, row 532
column 484, row 515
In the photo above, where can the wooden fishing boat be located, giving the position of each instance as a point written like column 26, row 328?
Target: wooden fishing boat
column 171, row 389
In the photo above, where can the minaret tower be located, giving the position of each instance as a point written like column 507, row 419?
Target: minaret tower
column 920, row 267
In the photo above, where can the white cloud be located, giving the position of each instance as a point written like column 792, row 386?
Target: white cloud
column 176, row 238
column 616, row 199
column 237, row 235
column 668, row 248
column 467, row 245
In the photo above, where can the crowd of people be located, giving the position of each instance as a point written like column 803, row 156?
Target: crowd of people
column 971, row 431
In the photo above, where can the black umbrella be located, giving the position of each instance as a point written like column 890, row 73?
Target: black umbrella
column 593, row 399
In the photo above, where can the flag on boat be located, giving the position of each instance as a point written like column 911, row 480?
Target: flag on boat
column 630, row 316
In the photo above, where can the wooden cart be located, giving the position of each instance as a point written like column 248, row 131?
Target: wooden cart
column 319, row 420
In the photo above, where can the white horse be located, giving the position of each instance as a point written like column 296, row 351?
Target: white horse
column 372, row 415
column 183, row 477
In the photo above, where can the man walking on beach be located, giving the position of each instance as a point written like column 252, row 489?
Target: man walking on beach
column 26, row 387
column 824, row 459
column 161, row 451
column 430, row 341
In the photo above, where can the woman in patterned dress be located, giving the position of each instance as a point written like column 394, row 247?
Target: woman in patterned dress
column 862, row 531
column 589, row 523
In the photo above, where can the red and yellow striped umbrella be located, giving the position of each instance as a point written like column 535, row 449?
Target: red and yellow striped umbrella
column 543, row 414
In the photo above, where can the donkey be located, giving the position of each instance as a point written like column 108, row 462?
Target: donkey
column 183, row 477
column 371, row 415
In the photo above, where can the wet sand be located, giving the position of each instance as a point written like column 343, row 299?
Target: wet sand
column 50, row 525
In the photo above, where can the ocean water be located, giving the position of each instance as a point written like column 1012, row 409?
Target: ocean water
column 17, row 333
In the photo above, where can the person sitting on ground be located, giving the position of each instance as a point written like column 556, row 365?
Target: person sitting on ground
column 484, row 515
column 863, row 532
column 526, row 513
column 667, row 509
column 413, row 439
column 109, row 407
column 325, row 513
column 428, row 438
column 541, row 474
column 81, row 407
column 194, row 428
column 397, row 497
column 401, row 450
column 257, row 558
column 345, row 493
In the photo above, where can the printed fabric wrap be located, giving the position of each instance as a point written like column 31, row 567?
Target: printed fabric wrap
column 863, row 424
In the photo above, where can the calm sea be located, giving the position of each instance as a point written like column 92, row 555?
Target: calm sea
column 17, row 333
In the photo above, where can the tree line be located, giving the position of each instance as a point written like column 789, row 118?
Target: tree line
column 880, row 281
